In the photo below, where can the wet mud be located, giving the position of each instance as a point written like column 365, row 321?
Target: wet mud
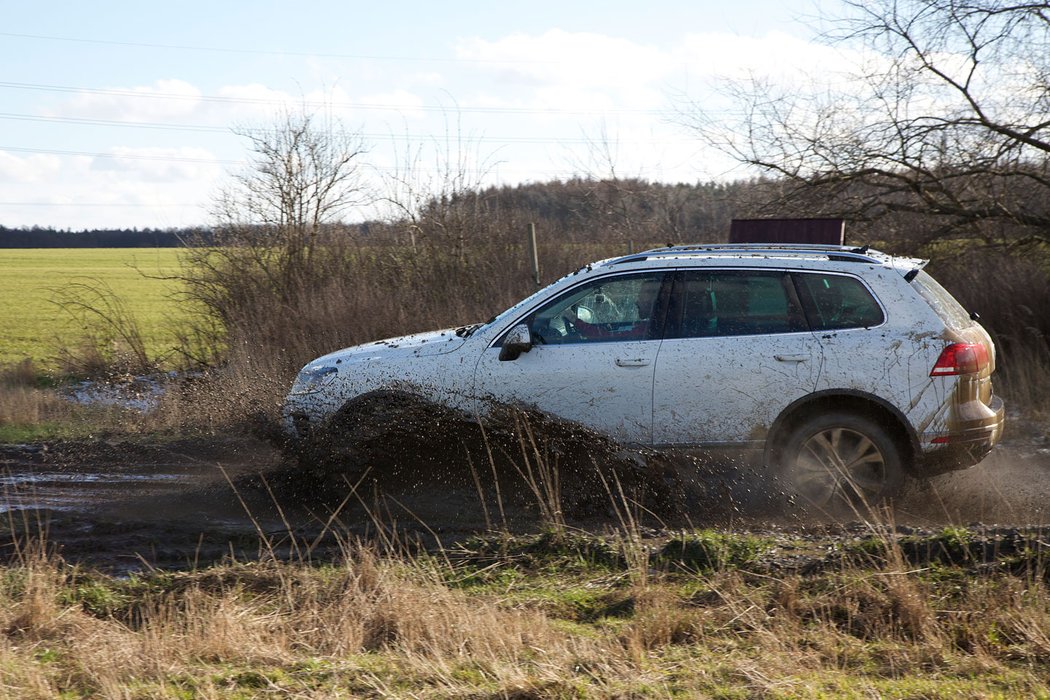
column 404, row 472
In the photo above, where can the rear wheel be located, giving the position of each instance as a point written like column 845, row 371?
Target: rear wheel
column 842, row 459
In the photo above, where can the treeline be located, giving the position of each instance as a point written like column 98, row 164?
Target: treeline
column 39, row 237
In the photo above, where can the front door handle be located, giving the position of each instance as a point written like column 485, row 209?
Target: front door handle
column 791, row 358
column 631, row 362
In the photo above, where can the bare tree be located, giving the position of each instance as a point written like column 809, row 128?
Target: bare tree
column 277, row 235
column 301, row 177
column 948, row 116
column 432, row 193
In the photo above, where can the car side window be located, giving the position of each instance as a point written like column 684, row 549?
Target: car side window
column 834, row 302
column 612, row 309
column 731, row 302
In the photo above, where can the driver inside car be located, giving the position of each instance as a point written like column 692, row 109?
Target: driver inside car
column 597, row 317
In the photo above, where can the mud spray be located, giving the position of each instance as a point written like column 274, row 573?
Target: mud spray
column 452, row 466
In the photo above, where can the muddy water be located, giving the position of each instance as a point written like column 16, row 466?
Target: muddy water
column 125, row 506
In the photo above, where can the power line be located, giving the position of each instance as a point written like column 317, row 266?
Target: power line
column 407, row 137
column 114, row 205
column 121, row 156
column 115, row 92
column 113, row 122
column 264, row 52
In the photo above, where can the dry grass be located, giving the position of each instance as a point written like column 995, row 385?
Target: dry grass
column 31, row 406
column 1023, row 371
column 29, row 411
column 386, row 626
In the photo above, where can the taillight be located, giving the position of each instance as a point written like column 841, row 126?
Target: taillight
column 961, row 358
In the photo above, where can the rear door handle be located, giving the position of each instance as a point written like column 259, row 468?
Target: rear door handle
column 791, row 358
column 631, row 362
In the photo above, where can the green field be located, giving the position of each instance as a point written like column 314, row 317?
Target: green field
column 33, row 325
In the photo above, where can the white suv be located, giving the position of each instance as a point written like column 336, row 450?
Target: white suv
column 846, row 367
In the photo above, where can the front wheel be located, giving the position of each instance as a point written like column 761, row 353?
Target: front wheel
column 840, row 459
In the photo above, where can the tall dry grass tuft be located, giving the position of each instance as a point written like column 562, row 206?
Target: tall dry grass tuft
column 539, row 471
column 24, row 405
column 32, row 611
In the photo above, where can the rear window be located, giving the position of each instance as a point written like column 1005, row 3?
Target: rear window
column 944, row 304
column 836, row 301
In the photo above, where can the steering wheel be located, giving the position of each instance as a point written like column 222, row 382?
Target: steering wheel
column 572, row 332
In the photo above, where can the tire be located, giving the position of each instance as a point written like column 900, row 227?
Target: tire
column 836, row 460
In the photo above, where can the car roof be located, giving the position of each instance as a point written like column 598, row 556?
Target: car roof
column 797, row 252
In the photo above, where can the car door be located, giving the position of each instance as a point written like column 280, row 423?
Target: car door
column 594, row 350
column 736, row 352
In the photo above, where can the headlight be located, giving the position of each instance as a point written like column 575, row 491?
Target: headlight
column 314, row 379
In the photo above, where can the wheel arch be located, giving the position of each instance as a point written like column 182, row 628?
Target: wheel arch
column 852, row 400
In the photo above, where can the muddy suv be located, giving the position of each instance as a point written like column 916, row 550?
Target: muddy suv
column 846, row 369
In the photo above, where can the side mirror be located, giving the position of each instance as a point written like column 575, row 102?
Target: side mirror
column 517, row 341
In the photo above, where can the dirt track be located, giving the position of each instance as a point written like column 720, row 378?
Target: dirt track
column 124, row 506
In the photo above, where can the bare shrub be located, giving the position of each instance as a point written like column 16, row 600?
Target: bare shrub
column 111, row 340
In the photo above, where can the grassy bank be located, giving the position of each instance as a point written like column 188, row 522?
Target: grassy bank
column 538, row 617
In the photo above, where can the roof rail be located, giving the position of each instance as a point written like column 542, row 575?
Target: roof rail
column 834, row 252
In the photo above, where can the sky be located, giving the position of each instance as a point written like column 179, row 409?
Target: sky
column 132, row 114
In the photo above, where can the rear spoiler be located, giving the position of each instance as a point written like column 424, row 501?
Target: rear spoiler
column 916, row 267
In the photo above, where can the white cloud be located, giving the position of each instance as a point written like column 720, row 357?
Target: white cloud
column 565, row 58
column 89, row 192
column 159, row 164
column 404, row 102
column 28, row 169
column 585, row 71
column 163, row 100
column 428, row 78
column 721, row 55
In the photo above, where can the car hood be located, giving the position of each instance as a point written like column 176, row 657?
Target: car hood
column 417, row 345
